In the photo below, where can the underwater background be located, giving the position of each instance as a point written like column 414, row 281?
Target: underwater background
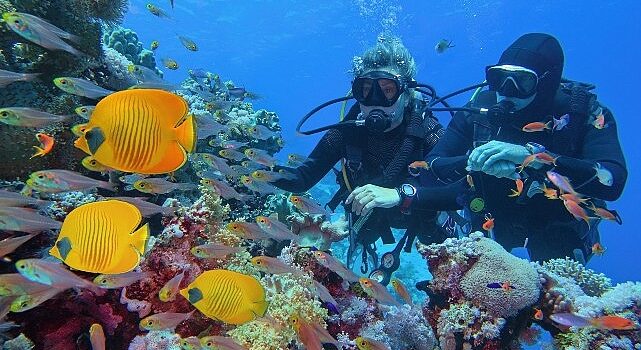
column 297, row 55
column 291, row 56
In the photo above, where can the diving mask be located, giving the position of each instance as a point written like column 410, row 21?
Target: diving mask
column 378, row 88
column 512, row 81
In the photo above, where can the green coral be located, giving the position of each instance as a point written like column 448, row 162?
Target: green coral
column 288, row 295
column 591, row 282
column 579, row 340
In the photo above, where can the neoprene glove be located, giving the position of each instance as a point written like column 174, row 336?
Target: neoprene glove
column 368, row 197
column 483, row 157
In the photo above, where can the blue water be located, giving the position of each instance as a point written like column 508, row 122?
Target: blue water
column 297, row 54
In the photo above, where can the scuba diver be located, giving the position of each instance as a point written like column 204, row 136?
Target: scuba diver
column 570, row 138
column 380, row 137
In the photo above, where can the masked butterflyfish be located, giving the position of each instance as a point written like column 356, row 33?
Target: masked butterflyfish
column 227, row 296
column 143, row 131
column 102, row 237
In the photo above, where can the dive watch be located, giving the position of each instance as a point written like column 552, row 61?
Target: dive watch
column 407, row 193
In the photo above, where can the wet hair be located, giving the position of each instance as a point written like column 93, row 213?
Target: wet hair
column 388, row 54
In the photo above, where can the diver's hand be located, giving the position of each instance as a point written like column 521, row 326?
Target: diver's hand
column 368, row 197
column 483, row 157
column 502, row 168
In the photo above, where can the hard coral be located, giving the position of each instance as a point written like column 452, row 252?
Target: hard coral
column 126, row 42
column 315, row 231
column 495, row 264
column 592, row 283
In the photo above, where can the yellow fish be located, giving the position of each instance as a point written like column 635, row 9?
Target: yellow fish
column 143, row 131
column 97, row 237
column 227, row 296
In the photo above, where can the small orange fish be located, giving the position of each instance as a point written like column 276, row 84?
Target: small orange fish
column 402, row 291
column 506, row 286
column 550, row 193
column 598, row 249
column 415, row 167
column 526, row 162
column 470, row 181
column 46, row 143
column 489, row 222
column 599, row 122
column 545, row 158
column 519, row 188
column 612, row 322
column 576, row 210
column 605, row 214
column 574, row 197
column 536, row 126
column 538, row 314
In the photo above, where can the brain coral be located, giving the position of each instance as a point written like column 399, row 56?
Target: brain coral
column 495, row 264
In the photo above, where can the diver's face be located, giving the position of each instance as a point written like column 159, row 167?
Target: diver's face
column 388, row 86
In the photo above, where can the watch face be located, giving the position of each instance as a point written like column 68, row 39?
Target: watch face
column 408, row 190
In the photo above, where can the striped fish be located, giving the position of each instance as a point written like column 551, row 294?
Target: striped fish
column 141, row 131
column 97, row 237
column 227, row 296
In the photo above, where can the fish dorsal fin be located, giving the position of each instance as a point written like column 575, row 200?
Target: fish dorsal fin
column 95, row 138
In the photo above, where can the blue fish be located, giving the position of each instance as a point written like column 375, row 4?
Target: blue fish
column 506, row 286
column 561, row 123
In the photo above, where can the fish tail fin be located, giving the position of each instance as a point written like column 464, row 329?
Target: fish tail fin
column 260, row 307
column 514, row 193
column 186, row 133
column 139, row 238
column 39, row 152
column 107, row 185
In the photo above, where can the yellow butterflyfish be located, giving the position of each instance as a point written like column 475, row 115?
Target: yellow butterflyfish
column 145, row 131
column 102, row 237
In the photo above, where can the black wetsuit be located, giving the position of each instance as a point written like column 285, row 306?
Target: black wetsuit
column 551, row 230
column 377, row 159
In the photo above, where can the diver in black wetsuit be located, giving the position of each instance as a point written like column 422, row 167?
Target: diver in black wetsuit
column 395, row 133
column 525, row 87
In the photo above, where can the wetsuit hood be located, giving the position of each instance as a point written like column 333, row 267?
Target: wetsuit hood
column 543, row 54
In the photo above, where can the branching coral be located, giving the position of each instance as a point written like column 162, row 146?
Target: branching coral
column 592, row 283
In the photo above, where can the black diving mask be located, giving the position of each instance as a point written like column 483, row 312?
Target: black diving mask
column 512, row 81
column 378, row 88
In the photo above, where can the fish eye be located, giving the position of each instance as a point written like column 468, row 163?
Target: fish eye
column 209, row 343
column 4, row 114
column 93, row 162
column 150, row 323
column 198, row 251
column 63, row 82
column 22, row 266
column 84, row 110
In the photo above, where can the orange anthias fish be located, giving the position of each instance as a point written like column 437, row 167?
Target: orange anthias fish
column 97, row 337
column 273, row 265
column 402, row 291
column 377, row 291
column 415, row 167
column 506, row 286
column 606, row 214
column 598, row 249
column 247, row 230
column 364, row 343
column 489, row 222
column 335, row 265
column 550, row 193
column 526, row 162
column 612, row 322
column 574, row 197
column 536, row 126
column 169, row 291
column 576, row 210
column 46, row 143
column 164, row 320
column 538, row 314
column 599, row 122
column 519, row 188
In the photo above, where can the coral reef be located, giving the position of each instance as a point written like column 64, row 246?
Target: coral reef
column 125, row 41
column 592, row 283
column 315, row 231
